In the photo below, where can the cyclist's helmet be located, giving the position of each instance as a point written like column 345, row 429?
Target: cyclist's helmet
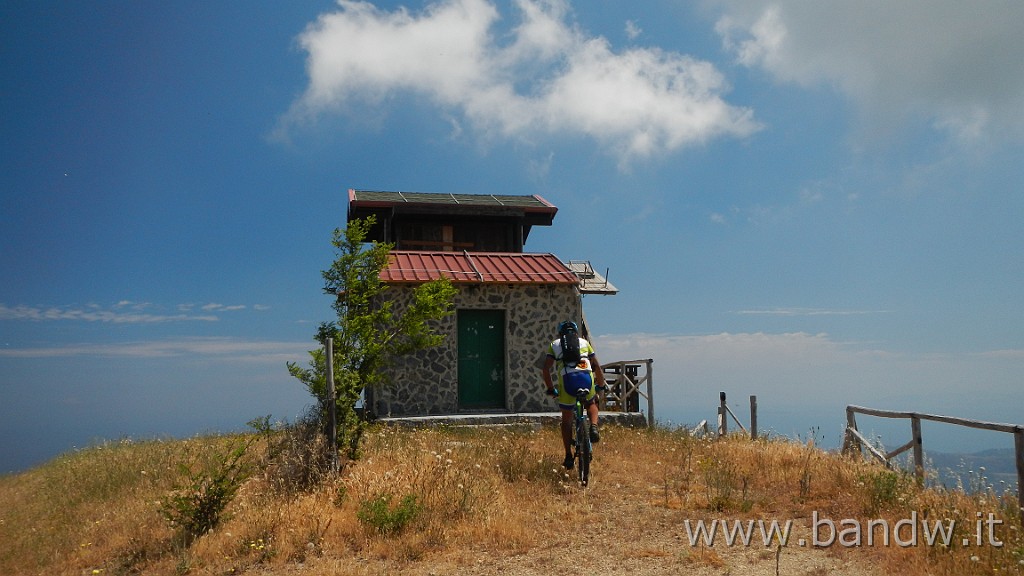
column 568, row 327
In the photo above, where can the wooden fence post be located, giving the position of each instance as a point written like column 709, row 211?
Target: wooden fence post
column 650, row 392
column 753, row 417
column 332, row 406
column 723, row 419
column 849, row 440
column 1018, row 443
column 915, row 428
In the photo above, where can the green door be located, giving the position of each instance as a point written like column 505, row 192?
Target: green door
column 481, row 359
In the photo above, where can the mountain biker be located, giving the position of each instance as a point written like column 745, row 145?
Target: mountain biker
column 580, row 373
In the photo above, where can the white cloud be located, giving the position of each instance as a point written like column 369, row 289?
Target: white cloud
column 757, row 349
column 957, row 65
column 217, row 307
column 95, row 314
column 123, row 312
column 549, row 79
column 633, row 30
column 1009, row 354
column 806, row 312
column 804, row 379
column 539, row 168
column 222, row 348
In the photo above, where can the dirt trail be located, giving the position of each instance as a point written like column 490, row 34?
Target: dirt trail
column 625, row 535
column 638, row 537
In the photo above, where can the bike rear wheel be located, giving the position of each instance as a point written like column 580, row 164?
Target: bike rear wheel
column 584, row 451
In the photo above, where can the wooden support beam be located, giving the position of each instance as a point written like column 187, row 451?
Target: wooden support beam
column 735, row 419
column 998, row 427
column 900, row 450
column 866, row 444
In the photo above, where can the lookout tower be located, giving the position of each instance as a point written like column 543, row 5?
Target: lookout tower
column 508, row 306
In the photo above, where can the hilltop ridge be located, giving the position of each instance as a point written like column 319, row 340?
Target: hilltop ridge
column 487, row 501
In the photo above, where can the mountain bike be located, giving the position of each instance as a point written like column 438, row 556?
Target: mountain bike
column 583, row 449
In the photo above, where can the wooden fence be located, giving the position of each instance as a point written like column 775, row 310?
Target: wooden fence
column 626, row 385
column 724, row 412
column 854, row 440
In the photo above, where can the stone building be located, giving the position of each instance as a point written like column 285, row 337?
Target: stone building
column 508, row 306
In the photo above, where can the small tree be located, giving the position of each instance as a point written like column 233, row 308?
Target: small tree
column 369, row 331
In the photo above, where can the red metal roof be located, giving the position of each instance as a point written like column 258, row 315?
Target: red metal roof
column 476, row 267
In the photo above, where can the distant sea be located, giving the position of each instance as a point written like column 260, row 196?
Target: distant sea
column 975, row 471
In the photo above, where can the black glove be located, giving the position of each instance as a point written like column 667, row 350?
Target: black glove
column 552, row 392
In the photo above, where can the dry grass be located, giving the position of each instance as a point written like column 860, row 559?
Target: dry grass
column 487, row 501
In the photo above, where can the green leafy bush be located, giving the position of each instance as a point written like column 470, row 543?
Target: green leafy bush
column 379, row 514
column 197, row 505
column 886, row 489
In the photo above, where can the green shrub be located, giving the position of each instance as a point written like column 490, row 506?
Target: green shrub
column 298, row 457
column 197, row 506
column 379, row 514
column 886, row 489
column 720, row 477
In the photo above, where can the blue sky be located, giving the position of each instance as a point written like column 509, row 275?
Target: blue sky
column 818, row 204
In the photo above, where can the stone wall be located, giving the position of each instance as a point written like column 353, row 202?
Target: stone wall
column 426, row 383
